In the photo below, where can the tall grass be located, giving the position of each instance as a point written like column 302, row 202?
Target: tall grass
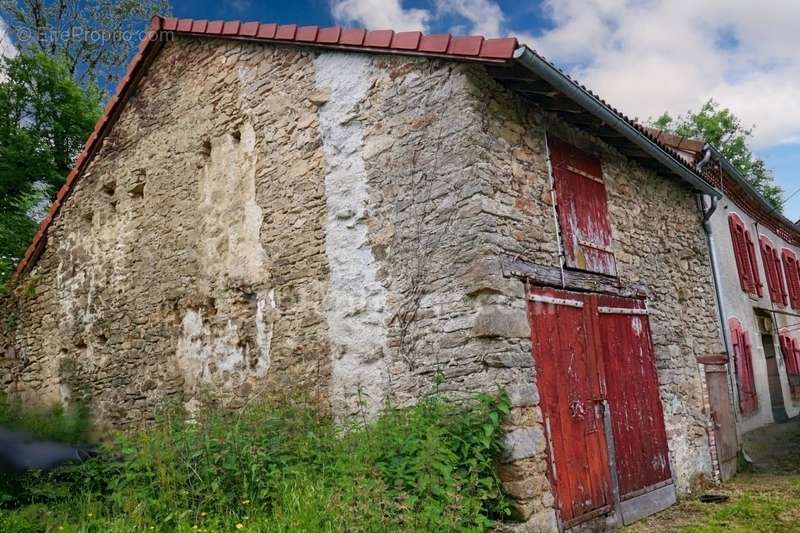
column 280, row 468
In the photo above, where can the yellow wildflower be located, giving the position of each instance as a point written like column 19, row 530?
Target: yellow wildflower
column 239, row 525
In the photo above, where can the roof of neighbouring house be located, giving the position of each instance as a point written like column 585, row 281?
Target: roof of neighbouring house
column 733, row 184
column 515, row 66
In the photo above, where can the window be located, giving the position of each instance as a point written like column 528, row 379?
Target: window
column 792, row 274
column 791, row 356
column 773, row 271
column 743, row 360
column 582, row 208
column 745, row 253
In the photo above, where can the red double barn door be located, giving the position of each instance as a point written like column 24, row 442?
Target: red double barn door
column 599, row 395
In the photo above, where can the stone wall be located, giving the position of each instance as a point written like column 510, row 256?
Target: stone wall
column 267, row 220
column 659, row 246
column 191, row 254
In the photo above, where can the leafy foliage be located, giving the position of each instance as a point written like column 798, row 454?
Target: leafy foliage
column 720, row 127
column 92, row 38
column 45, row 117
column 273, row 468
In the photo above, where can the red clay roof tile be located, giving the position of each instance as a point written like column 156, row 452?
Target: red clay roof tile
column 353, row 36
column 379, row 38
column 307, row 34
column 286, row 32
column 231, row 28
column 499, row 48
column 215, row 27
column 436, row 44
column 199, row 26
column 249, row 29
column 267, row 31
column 184, row 25
column 329, row 35
column 465, row 46
column 406, row 40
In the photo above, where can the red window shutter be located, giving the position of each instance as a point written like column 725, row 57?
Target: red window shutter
column 753, row 263
column 773, row 271
column 740, row 252
column 791, row 356
column 792, row 275
column 743, row 361
column 582, row 208
column 779, row 271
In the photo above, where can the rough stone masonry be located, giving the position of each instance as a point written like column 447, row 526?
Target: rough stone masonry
column 268, row 220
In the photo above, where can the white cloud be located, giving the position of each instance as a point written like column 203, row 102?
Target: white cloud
column 380, row 14
column 650, row 56
column 240, row 6
column 484, row 16
column 480, row 16
column 7, row 48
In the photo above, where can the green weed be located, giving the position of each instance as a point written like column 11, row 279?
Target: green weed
column 279, row 468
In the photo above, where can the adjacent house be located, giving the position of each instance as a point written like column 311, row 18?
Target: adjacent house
column 353, row 216
column 758, row 279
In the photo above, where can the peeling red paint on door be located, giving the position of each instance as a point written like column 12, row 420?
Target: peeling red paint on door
column 640, row 439
column 590, row 350
column 582, row 208
column 570, row 391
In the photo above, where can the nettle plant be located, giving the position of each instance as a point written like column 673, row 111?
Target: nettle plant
column 283, row 468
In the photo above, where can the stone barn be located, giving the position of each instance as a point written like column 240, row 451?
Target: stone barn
column 351, row 217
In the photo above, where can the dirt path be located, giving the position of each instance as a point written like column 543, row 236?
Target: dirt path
column 765, row 497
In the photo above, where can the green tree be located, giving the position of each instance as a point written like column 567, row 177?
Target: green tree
column 45, row 117
column 723, row 129
column 94, row 38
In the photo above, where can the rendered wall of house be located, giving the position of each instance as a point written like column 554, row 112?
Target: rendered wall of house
column 738, row 304
column 267, row 220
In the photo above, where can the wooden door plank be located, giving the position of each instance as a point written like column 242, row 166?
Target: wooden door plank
column 637, row 415
column 564, row 357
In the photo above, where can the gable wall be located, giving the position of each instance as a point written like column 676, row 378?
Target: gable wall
column 155, row 292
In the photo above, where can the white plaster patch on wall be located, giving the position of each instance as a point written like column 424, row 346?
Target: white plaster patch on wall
column 230, row 218
column 688, row 457
column 356, row 299
column 217, row 354
column 75, row 281
column 266, row 311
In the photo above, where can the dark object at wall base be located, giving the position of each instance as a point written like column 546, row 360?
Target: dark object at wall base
column 714, row 498
column 21, row 452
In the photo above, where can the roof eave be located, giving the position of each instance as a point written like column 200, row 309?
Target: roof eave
column 740, row 179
